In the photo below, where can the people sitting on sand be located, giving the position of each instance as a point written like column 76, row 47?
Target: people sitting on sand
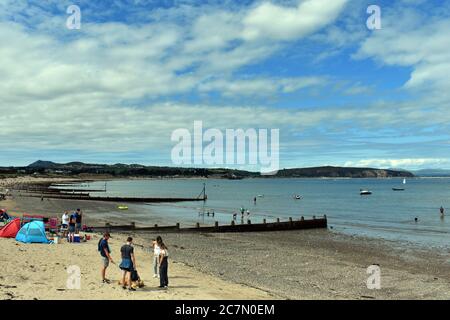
column 105, row 253
column 156, row 251
column 128, row 263
column 4, row 215
column 163, row 266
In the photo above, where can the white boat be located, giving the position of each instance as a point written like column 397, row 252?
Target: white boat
column 298, row 197
column 365, row 192
column 404, row 181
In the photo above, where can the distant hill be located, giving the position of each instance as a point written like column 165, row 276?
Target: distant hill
column 342, row 172
column 43, row 165
column 137, row 170
column 432, row 173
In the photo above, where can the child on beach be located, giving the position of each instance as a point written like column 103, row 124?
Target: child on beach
column 163, row 266
column 128, row 263
column 156, row 251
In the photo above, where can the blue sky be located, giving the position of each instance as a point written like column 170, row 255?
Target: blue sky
column 114, row 90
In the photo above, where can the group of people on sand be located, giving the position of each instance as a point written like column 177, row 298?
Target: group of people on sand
column 71, row 224
column 128, row 263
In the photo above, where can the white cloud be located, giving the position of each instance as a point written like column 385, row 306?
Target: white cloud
column 272, row 21
column 398, row 163
column 412, row 40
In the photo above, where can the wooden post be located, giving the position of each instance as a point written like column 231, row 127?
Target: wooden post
column 216, row 224
column 290, row 221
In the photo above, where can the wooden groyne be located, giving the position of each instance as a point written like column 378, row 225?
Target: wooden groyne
column 46, row 191
column 75, row 196
column 291, row 224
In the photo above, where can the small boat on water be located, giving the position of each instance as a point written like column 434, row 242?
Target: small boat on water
column 365, row 192
column 400, row 188
column 122, row 207
column 297, row 197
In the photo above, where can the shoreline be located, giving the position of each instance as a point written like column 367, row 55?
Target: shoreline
column 306, row 264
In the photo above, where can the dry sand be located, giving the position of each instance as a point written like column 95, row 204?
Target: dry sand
column 39, row 271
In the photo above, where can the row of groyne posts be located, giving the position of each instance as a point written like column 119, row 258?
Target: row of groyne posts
column 291, row 224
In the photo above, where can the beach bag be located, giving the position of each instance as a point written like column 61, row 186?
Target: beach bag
column 135, row 276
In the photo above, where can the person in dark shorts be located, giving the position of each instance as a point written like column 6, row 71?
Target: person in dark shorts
column 163, row 266
column 128, row 263
column 72, row 225
column 103, row 248
column 78, row 218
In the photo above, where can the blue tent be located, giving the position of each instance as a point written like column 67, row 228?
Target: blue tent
column 32, row 232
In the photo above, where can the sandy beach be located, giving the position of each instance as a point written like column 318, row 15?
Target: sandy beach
column 314, row 264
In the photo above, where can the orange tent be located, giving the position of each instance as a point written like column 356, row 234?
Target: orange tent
column 11, row 229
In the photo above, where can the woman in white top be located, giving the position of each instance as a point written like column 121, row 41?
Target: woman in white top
column 156, row 251
column 65, row 223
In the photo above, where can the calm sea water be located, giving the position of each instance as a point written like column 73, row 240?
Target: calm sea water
column 385, row 214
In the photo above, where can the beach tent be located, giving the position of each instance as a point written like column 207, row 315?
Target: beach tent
column 10, row 230
column 32, row 232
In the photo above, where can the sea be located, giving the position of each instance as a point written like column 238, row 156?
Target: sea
column 385, row 214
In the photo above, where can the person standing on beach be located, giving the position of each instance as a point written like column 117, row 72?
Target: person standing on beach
column 72, row 224
column 103, row 247
column 442, row 211
column 65, row 223
column 163, row 266
column 156, row 251
column 79, row 217
column 128, row 263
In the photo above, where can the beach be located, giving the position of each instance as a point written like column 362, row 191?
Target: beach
column 305, row 264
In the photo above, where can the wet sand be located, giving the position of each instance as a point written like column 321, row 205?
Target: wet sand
column 313, row 264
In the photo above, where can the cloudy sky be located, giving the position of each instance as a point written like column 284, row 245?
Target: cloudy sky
column 114, row 90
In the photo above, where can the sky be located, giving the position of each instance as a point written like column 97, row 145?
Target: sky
column 115, row 89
